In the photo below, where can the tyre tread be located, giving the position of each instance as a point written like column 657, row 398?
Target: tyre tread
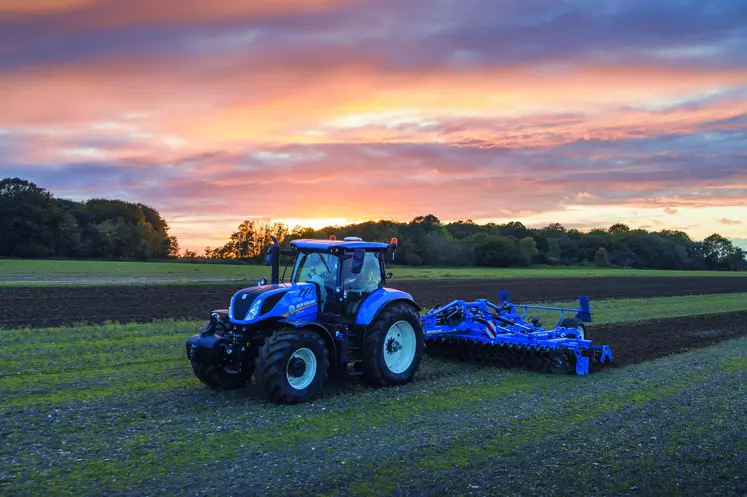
column 372, row 346
column 272, row 360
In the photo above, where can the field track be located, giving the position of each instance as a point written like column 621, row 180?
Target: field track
column 65, row 305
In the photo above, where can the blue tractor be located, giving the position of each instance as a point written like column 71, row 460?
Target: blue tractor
column 334, row 318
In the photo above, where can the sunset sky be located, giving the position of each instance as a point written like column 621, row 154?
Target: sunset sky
column 583, row 112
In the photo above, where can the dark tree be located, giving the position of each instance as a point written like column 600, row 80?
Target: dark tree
column 29, row 220
column 35, row 224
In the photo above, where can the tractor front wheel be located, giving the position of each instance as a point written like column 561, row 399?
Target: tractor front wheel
column 292, row 365
column 394, row 346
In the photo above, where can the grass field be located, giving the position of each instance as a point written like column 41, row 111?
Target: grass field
column 44, row 272
column 629, row 310
column 115, row 409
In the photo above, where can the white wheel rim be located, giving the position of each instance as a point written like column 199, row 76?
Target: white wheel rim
column 581, row 332
column 301, row 369
column 399, row 347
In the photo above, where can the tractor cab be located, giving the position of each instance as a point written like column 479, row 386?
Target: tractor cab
column 345, row 272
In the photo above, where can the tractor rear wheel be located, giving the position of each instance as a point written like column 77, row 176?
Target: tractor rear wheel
column 577, row 325
column 394, row 346
column 292, row 365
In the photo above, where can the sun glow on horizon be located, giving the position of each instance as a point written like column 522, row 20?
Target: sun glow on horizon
column 698, row 222
column 317, row 223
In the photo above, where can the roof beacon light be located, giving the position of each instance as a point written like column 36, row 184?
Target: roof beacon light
column 332, row 237
column 393, row 243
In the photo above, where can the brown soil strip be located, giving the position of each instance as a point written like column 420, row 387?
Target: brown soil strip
column 57, row 306
column 643, row 341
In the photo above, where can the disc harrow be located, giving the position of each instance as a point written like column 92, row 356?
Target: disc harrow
column 483, row 332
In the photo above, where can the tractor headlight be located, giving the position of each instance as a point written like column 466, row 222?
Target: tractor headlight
column 253, row 310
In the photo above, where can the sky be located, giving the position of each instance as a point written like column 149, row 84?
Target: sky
column 316, row 112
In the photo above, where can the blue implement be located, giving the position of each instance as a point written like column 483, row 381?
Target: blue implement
column 484, row 331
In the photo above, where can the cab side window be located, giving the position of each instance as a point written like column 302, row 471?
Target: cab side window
column 368, row 280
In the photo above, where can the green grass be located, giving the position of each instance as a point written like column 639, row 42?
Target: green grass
column 128, row 433
column 52, row 272
column 116, row 409
column 642, row 309
column 558, row 419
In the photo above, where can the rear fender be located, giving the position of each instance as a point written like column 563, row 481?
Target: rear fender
column 372, row 306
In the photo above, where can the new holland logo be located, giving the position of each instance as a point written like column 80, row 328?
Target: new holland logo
column 304, row 305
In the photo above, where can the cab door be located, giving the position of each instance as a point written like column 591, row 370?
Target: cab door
column 361, row 276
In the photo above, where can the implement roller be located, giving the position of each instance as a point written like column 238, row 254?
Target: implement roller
column 482, row 331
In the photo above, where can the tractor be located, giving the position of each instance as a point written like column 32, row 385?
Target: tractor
column 335, row 318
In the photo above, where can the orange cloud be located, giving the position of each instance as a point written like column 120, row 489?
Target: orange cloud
column 498, row 95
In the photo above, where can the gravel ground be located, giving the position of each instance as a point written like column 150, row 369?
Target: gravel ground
column 674, row 425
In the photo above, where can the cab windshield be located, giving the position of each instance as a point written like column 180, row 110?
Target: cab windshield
column 316, row 267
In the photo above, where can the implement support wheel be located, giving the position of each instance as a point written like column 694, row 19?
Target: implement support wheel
column 577, row 325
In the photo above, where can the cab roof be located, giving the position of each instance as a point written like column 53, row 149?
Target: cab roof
column 324, row 245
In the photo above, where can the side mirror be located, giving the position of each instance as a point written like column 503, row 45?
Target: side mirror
column 389, row 275
column 268, row 259
column 358, row 256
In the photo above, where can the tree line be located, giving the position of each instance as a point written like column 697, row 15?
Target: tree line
column 35, row 224
column 426, row 241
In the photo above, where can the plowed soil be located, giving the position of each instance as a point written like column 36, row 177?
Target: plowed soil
column 57, row 306
column 642, row 341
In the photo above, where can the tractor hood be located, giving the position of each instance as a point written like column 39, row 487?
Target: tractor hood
column 259, row 302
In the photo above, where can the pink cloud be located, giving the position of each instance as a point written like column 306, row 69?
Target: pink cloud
column 670, row 210
column 729, row 222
